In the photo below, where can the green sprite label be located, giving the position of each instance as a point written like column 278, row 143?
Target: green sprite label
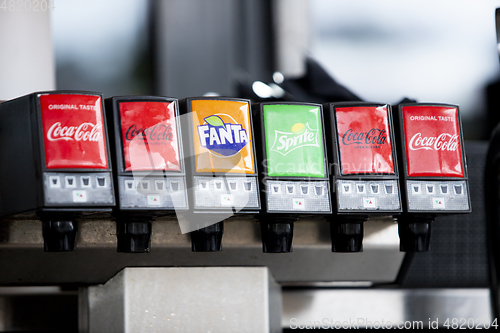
column 294, row 141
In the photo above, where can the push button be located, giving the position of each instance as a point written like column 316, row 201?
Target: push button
column 248, row 186
column 85, row 181
column 319, row 190
column 388, row 189
column 101, row 181
column 174, row 185
column 304, row 189
column 159, row 185
column 444, row 189
column 54, row 182
column 129, row 185
column 70, row 182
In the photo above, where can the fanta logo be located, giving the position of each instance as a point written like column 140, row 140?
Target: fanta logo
column 300, row 136
column 222, row 138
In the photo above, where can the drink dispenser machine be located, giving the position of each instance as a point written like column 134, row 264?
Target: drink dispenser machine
column 364, row 170
column 434, row 169
column 294, row 169
column 55, row 161
column 148, row 163
column 221, row 166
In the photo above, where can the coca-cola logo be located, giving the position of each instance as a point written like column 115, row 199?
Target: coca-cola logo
column 443, row 142
column 374, row 136
column 83, row 132
column 158, row 132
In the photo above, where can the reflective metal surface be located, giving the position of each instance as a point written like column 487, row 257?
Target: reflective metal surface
column 364, row 307
column 96, row 260
column 209, row 299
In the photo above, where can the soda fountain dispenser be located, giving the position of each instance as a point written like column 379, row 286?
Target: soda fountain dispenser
column 364, row 172
column 148, row 163
column 434, row 179
column 221, row 166
column 294, row 176
column 55, row 161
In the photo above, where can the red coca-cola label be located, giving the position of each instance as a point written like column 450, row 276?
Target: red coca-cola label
column 149, row 136
column 73, row 131
column 432, row 139
column 364, row 140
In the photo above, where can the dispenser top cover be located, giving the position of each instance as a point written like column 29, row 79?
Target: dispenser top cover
column 73, row 131
column 294, row 141
column 222, row 136
column 149, row 135
column 364, row 139
column 432, row 141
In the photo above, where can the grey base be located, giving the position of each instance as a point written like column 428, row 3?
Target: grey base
column 95, row 260
column 221, row 299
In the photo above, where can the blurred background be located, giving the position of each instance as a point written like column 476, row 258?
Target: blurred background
column 381, row 50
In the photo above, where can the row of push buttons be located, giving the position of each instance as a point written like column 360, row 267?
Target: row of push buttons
column 233, row 186
column 71, row 181
column 430, row 189
column 145, row 185
column 304, row 189
column 361, row 188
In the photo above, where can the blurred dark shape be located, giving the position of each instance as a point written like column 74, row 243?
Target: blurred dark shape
column 317, row 86
column 492, row 106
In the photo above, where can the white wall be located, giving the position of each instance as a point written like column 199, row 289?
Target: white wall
column 26, row 53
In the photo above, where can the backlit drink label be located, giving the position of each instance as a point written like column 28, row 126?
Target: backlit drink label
column 73, row 131
column 432, row 141
column 149, row 136
column 294, row 141
column 222, row 136
column 364, row 140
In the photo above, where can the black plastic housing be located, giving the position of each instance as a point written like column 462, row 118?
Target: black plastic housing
column 209, row 239
column 336, row 160
column 277, row 226
column 26, row 180
column 402, row 161
column 23, row 160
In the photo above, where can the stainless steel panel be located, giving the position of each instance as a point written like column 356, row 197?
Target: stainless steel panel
column 364, row 307
column 221, row 299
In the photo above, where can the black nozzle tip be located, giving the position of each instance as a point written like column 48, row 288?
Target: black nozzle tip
column 276, row 237
column 347, row 236
column 59, row 236
column 208, row 239
column 134, row 237
column 414, row 236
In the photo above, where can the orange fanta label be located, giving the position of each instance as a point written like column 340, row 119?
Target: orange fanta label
column 222, row 136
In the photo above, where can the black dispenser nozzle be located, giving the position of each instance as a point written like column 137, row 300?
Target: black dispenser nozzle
column 134, row 236
column 208, row 239
column 277, row 234
column 59, row 236
column 415, row 233
column 347, row 234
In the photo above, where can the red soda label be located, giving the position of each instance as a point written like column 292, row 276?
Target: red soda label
column 73, row 131
column 364, row 140
column 432, row 140
column 149, row 136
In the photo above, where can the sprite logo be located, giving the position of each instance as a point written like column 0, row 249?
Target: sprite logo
column 300, row 136
column 222, row 138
